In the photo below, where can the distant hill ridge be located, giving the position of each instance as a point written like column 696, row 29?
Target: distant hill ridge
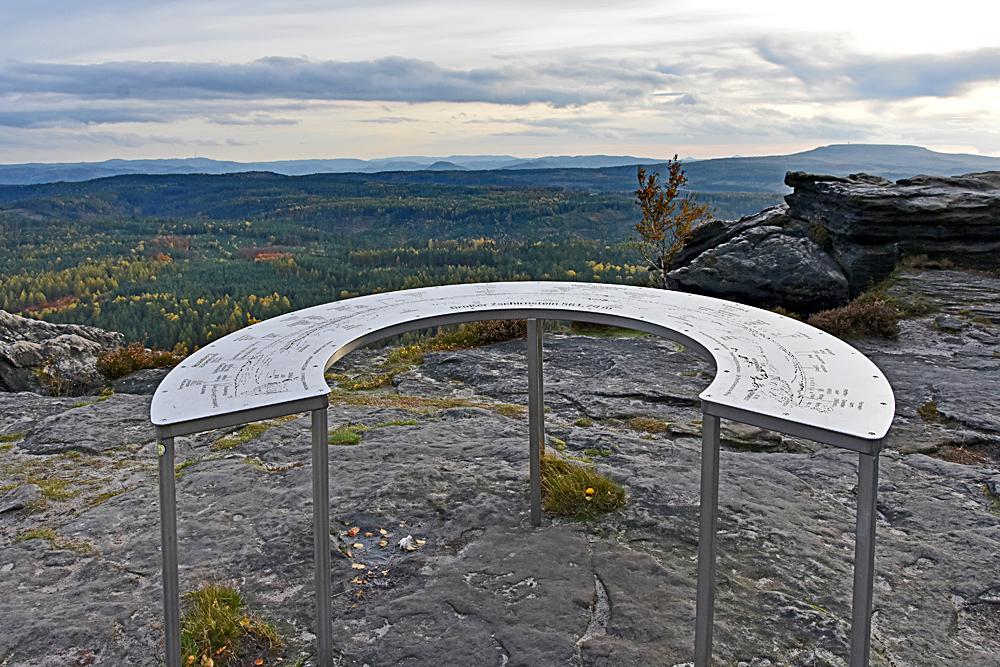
column 589, row 172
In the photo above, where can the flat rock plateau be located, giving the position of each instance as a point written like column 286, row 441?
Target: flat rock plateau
column 445, row 459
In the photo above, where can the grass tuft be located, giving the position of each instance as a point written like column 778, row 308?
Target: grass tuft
column 648, row 424
column 993, row 499
column 217, row 630
column 929, row 412
column 578, row 491
column 52, row 489
column 349, row 434
column 248, row 433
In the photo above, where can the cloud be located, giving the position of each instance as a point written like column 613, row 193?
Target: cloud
column 37, row 118
column 388, row 120
column 849, row 75
column 392, row 79
column 39, row 115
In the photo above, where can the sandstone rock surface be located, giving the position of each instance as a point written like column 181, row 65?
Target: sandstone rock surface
column 836, row 236
column 50, row 358
column 449, row 467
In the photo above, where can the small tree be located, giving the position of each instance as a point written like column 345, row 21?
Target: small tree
column 668, row 220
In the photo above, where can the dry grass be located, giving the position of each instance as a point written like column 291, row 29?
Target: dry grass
column 648, row 424
column 961, row 455
column 134, row 357
column 872, row 314
column 859, row 319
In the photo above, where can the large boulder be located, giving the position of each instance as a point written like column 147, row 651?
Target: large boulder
column 762, row 264
column 872, row 222
column 51, row 358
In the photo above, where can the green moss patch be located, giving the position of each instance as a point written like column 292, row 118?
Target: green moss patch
column 101, row 498
column 57, row 541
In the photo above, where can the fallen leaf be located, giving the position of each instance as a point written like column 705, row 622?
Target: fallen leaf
column 421, row 543
column 351, row 532
column 358, row 545
column 357, row 566
column 357, row 580
column 259, row 661
column 383, row 543
column 383, row 531
column 369, row 534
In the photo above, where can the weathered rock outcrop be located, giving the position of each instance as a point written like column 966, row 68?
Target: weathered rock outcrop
column 51, row 358
column 438, row 459
column 836, row 236
column 873, row 222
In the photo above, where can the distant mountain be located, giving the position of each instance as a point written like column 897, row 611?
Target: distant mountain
column 767, row 173
column 580, row 162
column 444, row 165
column 39, row 172
column 604, row 173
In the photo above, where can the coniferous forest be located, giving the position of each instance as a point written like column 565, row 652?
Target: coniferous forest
column 183, row 260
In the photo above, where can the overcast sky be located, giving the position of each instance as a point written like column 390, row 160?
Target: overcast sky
column 288, row 79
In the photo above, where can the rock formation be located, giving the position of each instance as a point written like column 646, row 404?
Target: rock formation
column 51, row 358
column 836, row 236
column 440, row 459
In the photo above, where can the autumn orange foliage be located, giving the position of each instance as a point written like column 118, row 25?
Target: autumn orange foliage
column 668, row 219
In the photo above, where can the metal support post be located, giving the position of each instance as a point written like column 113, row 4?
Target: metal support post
column 536, row 418
column 705, row 610
column 864, row 560
column 321, row 535
column 168, row 546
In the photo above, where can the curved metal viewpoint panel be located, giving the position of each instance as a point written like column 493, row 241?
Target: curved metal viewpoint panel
column 771, row 371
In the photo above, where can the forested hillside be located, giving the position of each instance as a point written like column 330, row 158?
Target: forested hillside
column 186, row 259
